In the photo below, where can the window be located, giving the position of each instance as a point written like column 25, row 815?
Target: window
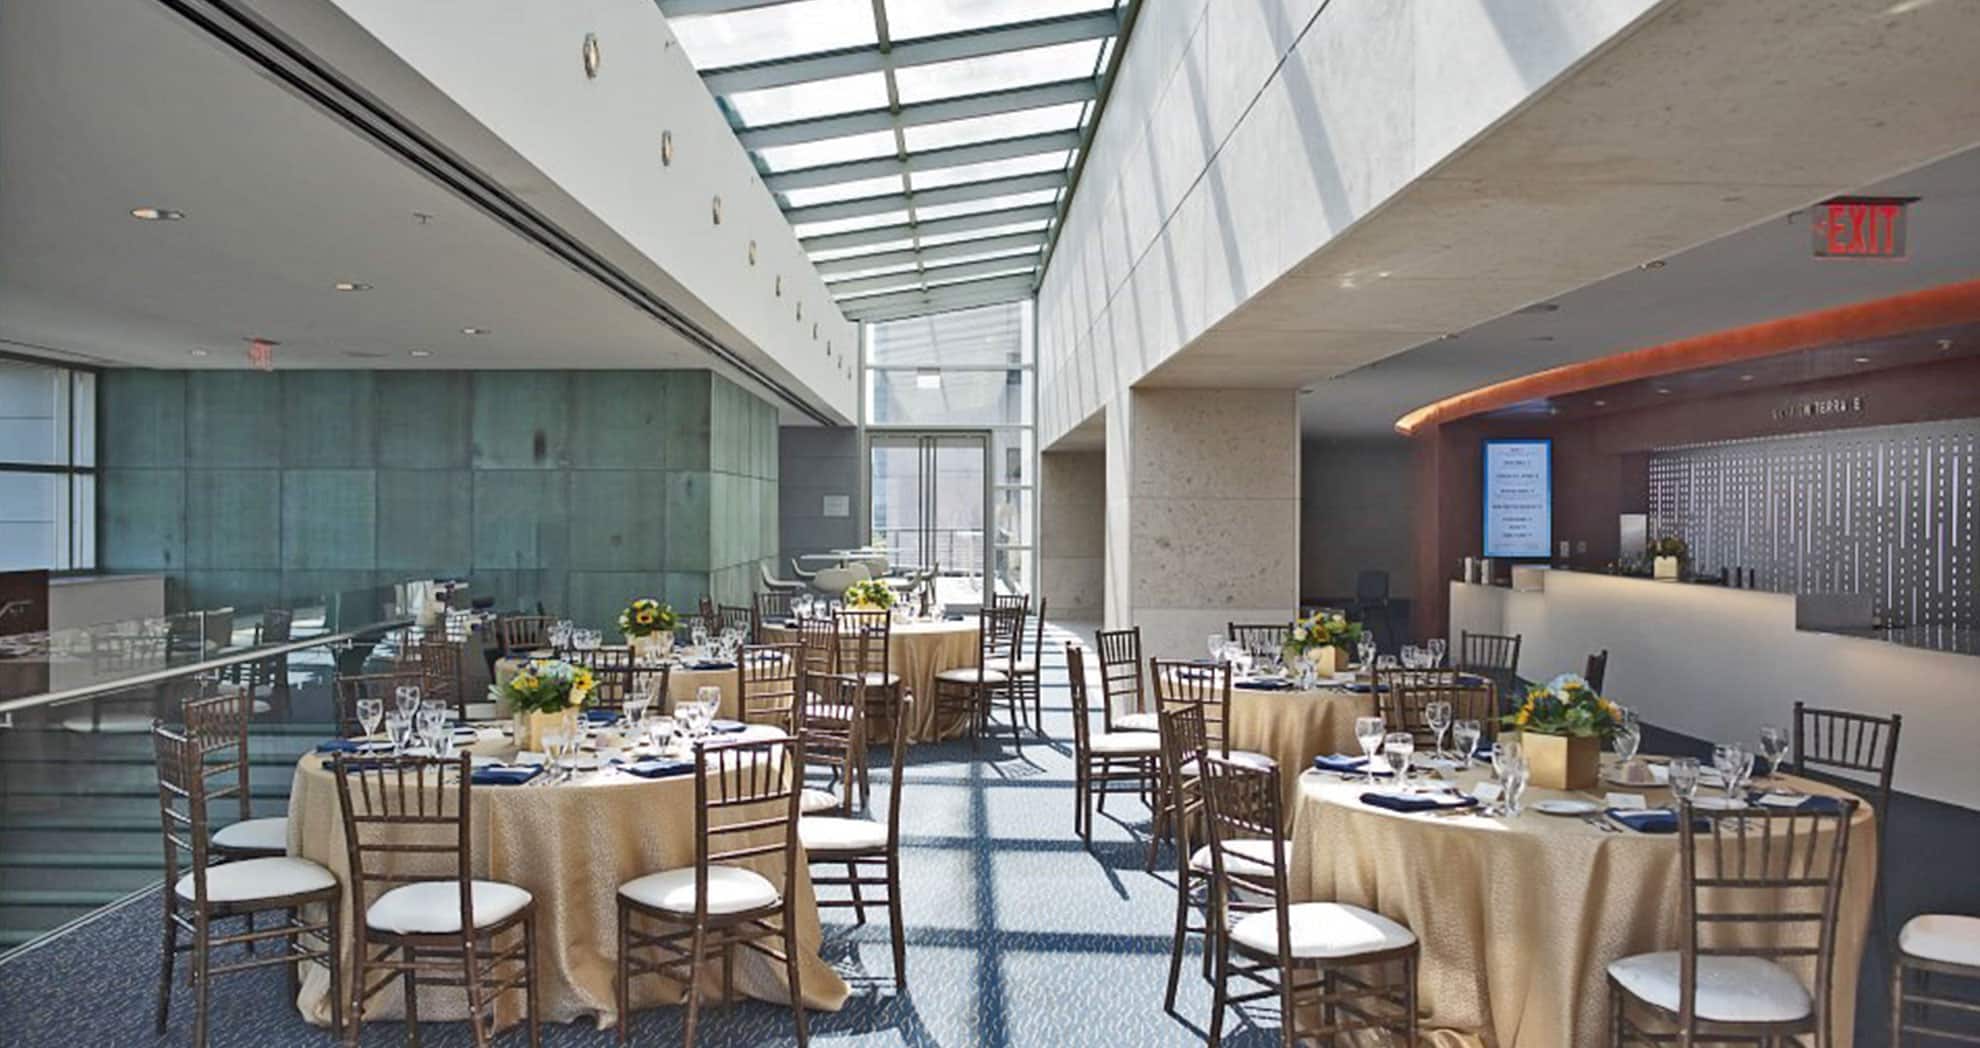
column 47, row 467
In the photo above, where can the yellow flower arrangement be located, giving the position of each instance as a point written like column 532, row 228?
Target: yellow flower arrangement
column 545, row 686
column 645, row 617
column 1566, row 705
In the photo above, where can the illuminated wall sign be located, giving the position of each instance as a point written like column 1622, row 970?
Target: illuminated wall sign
column 1849, row 227
column 1817, row 408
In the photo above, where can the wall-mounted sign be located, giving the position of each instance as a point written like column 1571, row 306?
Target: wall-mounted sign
column 837, row 506
column 1519, row 498
column 1818, row 407
column 1852, row 227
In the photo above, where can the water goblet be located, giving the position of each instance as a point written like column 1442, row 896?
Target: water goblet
column 1684, row 778
column 369, row 713
column 709, row 696
column 1517, row 772
column 1216, row 645
column 1628, row 735
column 1466, row 734
column 1386, row 662
column 1435, row 647
column 1774, row 746
column 396, row 725
column 1368, row 731
column 1504, row 756
column 1397, row 747
column 1365, row 649
column 1437, row 714
column 407, row 698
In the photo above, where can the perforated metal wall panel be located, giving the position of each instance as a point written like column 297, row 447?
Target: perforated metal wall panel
column 1888, row 510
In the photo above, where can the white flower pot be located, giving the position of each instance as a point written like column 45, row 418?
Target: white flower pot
column 1664, row 568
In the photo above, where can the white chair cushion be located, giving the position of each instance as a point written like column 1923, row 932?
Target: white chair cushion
column 1137, row 722
column 1256, row 760
column 249, row 879
column 1324, row 930
column 271, row 835
column 970, row 675
column 1730, row 989
column 434, row 907
column 1241, row 858
column 813, row 801
column 876, row 679
column 1128, row 743
column 1025, row 667
column 731, row 889
column 826, row 833
column 1942, row 937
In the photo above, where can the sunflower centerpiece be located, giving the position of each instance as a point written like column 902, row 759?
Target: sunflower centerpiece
column 870, row 594
column 1320, row 644
column 649, row 628
column 544, row 695
column 1562, row 725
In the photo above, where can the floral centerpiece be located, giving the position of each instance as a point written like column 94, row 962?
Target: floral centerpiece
column 542, row 695
column 1562, row 725
column 649, row 628
column 1668, row 555
column 1322, row 642
column 871, row 594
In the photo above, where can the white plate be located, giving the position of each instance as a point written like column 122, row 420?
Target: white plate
column 1566, row 807
column 1718, row 803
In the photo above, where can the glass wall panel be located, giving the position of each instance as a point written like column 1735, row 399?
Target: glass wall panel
column 47, row 448
column 924, row 396
column 33, row 507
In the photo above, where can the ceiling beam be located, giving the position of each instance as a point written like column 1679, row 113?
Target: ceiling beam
column 1130, row 11
column 687, row 8
column 930, row 228
column 943, row 47
column 926, row 160
column 963, row 107
column 888, row 203
column 914, row 278
column 900, row 304
column 932, row 253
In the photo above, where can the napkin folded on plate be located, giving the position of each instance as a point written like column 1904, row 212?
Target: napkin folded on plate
column 1265, row 684
column 1361, row 689
column 1344, row 764
column 1653, row 820
column 1411, row 802
column 1809, row 803
column 726, row 727
column 658, row 767
column 602, row 716
column 710, row 664
column 505, row 774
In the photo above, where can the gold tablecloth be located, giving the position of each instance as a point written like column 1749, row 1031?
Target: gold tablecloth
column 916, row 652
column 1293, row 727
column 682, row 683
column 571, row 845
column 1519, row 918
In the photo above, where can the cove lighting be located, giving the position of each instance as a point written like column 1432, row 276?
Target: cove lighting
column 157, row 214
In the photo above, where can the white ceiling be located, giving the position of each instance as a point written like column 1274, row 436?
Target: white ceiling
column 108, row 105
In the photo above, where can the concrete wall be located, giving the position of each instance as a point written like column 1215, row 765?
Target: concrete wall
column 1072, row 534
column 1357, row 510
column 815, row 462
column 576, row 489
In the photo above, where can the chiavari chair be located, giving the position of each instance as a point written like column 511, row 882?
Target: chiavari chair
column 439, row 661
column 205, row 894
column 1100, row 761
column 832, row 720
column 1026, row 681
column 1259, row 636
column 869, row 850
column 773, row 605
column 818, row 644
column 745, row 815
column 1121, row 683
column 613, row 672
column 1935, row 947
column 220, row 727
column 277, row 626
column 767, row 684
column 855, row 652
column 1761, row 886
column 521, row 634
column 1401, row 696
column 1184, row 738
column 1596, row 671
column 739, row 617
column 1852, row 751
column 1494, row 656
column 1346, row 951
column 1010, row 600
column 408, row 824
column 1207, row 686
column 969, row 691
column 354, row 686
column 710, row 615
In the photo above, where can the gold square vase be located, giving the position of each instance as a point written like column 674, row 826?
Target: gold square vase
column 1562, row 762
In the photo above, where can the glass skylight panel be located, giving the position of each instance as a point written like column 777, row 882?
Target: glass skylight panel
column 869, row 271
column 997, row 203
column 984, row 335
column 998, row 125
column 816, row 98
column 912, row 18
column 863, row 249
column 978, row 234
column 968, row 76
column 777, row 31
column 838, row 191
column 936, row 278
column 848, row 225
column 828, row 151
column 1029, row 254
column 1024, row 165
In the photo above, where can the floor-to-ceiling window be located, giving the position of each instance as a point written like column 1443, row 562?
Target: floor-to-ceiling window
column 47, row 467
column 962, row 379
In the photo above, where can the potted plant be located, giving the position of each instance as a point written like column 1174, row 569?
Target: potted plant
column 1669, row 554
column 1562, row 725
column 1320, row 644
column 649, row 628
column 544, row 696
column 871, row 595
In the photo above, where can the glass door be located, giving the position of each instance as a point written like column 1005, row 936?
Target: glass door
column 929, row 502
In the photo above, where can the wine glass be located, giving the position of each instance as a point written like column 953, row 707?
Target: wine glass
column 1216, row 644
column 1241, row 660
column 1734, row 764
column 660, row 733
column 1774, row 745
column 431, row 724
column 1466, row 733
column 1397, row 746
column 1435, row 646
column 1368, row 732
column 407, row 697
column 369, row 713
column 1505, row 756
column 709, row 696
column 396, row 724
column 1437, row 715
column 688, row 713
column 556, row 743
column 698, row 637
column 1365, row 648
column 1628, row 736
column 1516, row 774
column 1386, row 662
column 637, row 701
column 1684, row 778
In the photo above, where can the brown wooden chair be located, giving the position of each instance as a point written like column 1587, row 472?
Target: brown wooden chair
column 1348, row 951
column 869, row 850
column 969, row 691
column 1100, row 761
column 1597, row 670
column 773, row 604
column 1207, row 686
column 438, row 663
column 818, row 647
column 1183, row 732
column 1931, row 948
column 1121, row 683
column 856, row 650
column 1401, row 696
column 220, row 726
column 380, row 686
column 1761, row 886
column 745, row 818
column 1856, row 752
column 767, row 684
column 522, row 634
column 834, row 729
column 1026, row 671
column 741, row 617
column 202, row 894
column 615, row 675
column 1494, row 656
column 407, row 828
column 710, row 614
column 1256, row 637
column 277, row 626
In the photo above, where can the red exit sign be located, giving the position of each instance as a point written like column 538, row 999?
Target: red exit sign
column 1859, row 228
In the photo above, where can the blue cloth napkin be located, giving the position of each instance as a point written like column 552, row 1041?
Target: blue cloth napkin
column 1472, row 680
column 506, row 774
column 726, row 727
column 658, row 768
column 337, row 746
column 711, row 664
column 1418, row 802
column 1344, row 764
column 1265, row 684
column 601, row 716
column 1362, row 689
column 1653, row 820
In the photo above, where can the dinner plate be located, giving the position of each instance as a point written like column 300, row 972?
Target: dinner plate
column 1566, row 807
column 1718, row 803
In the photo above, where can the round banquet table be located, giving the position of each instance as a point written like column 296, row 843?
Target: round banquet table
column 570, row 845
column 1520, row 917
column 682, row 683
column 916, row 652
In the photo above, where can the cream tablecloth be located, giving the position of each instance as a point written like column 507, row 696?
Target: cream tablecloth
column 571, row 845
column 1293, row 727
column 916, row 652
column 1519, row 918
column 682, row 683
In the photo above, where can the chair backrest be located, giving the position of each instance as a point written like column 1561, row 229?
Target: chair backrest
column 767, row 683
column 1840, row 747
column 1184, row 734
column 1596, row 670
column 1010, row 600
column 613, row 669
column 772, row 604
column 219, row 727
column 831, row 719
column 1081, row 708
column 1371, row 586
column 381, row 686
column 861, row 638
column 1196, row 683
column 1762, row 882
column 1000, row 630
column 1257, row 637
column 746, row 808
column 818, row 645
column 741, row 617
column 406, row 820
column 1121, row 687
column 522, row 634
column 438, row 663
column 710, row 617
column 1037, row 636
column 181, row 764
column 1402, row 695
column 277, row 625
column 1241, row 805
column 1488, row 653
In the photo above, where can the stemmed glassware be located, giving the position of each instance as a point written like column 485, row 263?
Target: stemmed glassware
column 1774, row 746
column 1437, row 714
column 1508, row 757
column 698, row 639
column 1436, row 649
column 1684, row 778
column 691, row 715
column 801, row 606
column 431, row 724
column 710, row 698
column 1365, row 648
column 1466, row 734
column 1514, row 780
column 1368, row 732
column 396, row 726
column 1628, row 736
column 1397, row 747
column 1216, row 643
column 557, row 743
column 407, row 698
column 1735, row 764
column 369, row 713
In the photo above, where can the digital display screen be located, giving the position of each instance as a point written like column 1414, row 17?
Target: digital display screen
column 1519, row 498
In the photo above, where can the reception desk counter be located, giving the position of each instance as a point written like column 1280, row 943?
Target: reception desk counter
column 1717, row 663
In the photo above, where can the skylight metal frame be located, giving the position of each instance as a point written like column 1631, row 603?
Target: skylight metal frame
column 939, row 276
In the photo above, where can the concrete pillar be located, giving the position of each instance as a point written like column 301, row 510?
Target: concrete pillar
column 1202, row 513
column 1072, row 533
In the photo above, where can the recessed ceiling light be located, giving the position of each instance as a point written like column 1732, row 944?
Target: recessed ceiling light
column 1655, row 263
column 351, row 285
column 199, row 352
column 419, row 353
column 1746, row 378
column 474, row 331
column 1945, row 343
column 1601, row 403
column 1863, row 360
column 157, row 214
column 1662, row 390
